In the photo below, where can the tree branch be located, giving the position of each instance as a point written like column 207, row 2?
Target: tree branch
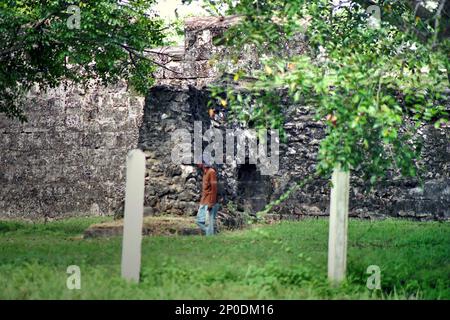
column 133, row 51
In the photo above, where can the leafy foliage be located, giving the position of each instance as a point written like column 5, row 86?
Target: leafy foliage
column 373, row 83
column 42, row 45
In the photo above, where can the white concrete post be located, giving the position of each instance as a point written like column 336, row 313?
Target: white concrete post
column 337, row 241
column 133, row 216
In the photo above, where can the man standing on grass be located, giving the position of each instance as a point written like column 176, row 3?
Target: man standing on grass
column 207, row 212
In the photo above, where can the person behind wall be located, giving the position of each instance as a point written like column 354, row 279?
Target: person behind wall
column 207, row 211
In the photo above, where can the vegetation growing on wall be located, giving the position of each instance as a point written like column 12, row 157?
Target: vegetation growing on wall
column 373, row 81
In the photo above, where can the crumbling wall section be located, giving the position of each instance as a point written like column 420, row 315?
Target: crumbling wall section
column 196, row 65
column 173, row 188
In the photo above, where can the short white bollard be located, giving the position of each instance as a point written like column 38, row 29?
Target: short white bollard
column 337, row 241
column 133, row 216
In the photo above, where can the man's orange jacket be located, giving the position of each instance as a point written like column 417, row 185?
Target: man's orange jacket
column 209, row 188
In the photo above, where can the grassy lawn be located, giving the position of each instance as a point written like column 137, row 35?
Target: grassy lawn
column 283, row 261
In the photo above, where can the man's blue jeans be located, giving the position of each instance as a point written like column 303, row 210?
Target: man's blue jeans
column 206, row 219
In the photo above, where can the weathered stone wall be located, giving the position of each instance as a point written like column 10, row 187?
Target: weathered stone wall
column 170, row 188
column 175, row 188
column 176, row 104
column 69, row 158
column 397, row 196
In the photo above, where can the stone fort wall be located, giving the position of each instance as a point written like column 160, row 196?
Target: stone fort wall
column 69, row 158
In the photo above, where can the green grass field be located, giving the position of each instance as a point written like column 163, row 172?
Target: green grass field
column 283, row 261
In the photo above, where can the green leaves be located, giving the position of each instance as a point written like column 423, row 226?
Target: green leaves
column 371, row 87
column 39, row 47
